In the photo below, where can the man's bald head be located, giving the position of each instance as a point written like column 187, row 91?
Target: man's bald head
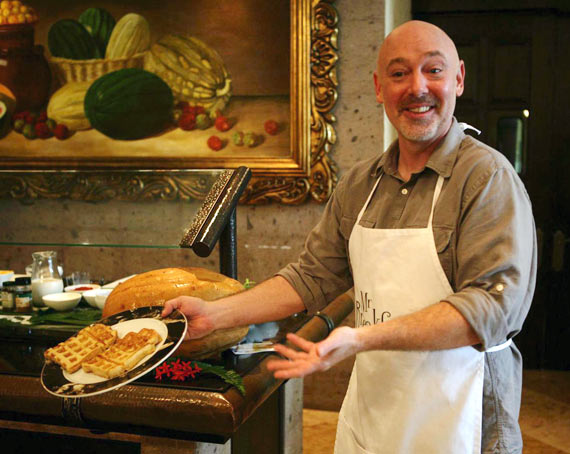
column 411, row 35
column 418, row 78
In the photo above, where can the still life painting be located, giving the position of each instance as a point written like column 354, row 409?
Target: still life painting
column 145, row 85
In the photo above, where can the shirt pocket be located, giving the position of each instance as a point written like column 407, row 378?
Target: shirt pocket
column 347, row 223
column 444, row 243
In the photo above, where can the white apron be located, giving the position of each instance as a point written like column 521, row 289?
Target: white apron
column 407, row 402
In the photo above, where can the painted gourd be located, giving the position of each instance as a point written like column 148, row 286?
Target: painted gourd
column 66, row 106
column 194, row 71
column 130, row 36
column 129, row 104
column 99, row 23
column 67, row 38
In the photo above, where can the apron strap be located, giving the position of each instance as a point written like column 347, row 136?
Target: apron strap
column 436, row 193
column 368, row 200
column 499, row 347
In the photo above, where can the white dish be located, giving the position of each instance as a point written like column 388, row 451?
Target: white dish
column 113, row 284
column 81, row 288
column 62, row 301
column 89, row 296
column 101, row 297
column 122, row 329
column 54, row 381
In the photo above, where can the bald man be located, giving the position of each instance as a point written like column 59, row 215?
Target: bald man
column 437, row 237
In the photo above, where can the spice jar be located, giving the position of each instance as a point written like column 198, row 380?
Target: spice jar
column 8, row 296
column 23, row 294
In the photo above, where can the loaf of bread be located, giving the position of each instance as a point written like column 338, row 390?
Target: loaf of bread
column 154, row 288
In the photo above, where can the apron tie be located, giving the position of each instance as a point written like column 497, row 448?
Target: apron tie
column 499, row 347
column 465, row 126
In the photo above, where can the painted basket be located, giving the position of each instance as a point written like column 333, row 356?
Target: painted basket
column 66, row 70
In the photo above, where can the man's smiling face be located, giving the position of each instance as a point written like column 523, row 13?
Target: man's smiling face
column 418, row 78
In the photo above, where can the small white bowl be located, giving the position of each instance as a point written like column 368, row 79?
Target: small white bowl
column 101, row 297
column 89, row 296
column 81, row 288
column 62, row 301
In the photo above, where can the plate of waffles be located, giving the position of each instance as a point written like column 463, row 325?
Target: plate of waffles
column 112, row 352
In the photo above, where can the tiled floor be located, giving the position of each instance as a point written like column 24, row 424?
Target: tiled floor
column 544, row 417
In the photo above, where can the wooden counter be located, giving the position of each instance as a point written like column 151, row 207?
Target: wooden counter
column 202, row 417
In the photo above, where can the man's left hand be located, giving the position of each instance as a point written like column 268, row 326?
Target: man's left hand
column 313, row 357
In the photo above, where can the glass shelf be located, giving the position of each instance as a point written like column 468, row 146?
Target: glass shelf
column 96, row 245
column 109, row 239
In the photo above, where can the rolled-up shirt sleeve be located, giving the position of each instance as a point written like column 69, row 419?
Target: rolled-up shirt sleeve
column 496, row 256
column 322, row 271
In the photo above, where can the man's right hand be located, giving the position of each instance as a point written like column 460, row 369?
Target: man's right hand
column 197, row 311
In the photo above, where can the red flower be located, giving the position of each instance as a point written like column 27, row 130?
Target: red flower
column 177, row 370
column 162, row 370
column 190, row 371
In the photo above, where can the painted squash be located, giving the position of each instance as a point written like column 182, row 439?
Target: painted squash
column 99, row 23
column 130, row 36
column 66, row 106
column 67, row 38
column 194, row 71
column 129, row 104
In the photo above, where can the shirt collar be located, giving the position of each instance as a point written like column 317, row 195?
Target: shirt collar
column 441, row 161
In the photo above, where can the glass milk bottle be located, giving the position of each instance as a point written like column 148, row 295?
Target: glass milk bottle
column 45, row 276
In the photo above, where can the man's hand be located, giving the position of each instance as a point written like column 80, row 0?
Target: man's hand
column 197, row 311
column 314, row 357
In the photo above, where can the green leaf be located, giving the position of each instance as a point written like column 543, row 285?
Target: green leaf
column 229, row 376
column 81, row 317
column 248, row 284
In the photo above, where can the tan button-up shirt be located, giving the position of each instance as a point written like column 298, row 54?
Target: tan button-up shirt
column 485, row 237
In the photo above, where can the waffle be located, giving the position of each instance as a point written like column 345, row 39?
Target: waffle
column 102, row 333
column 88, row 343
column 123, row 355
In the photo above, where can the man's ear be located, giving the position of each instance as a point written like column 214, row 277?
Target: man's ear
column 378, row 88
column 460, row 78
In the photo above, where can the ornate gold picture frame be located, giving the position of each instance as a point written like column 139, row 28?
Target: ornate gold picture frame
column 289, row 167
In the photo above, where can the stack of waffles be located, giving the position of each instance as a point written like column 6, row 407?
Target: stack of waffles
column 88, row 343
column 124, row 354
column 97, row 350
